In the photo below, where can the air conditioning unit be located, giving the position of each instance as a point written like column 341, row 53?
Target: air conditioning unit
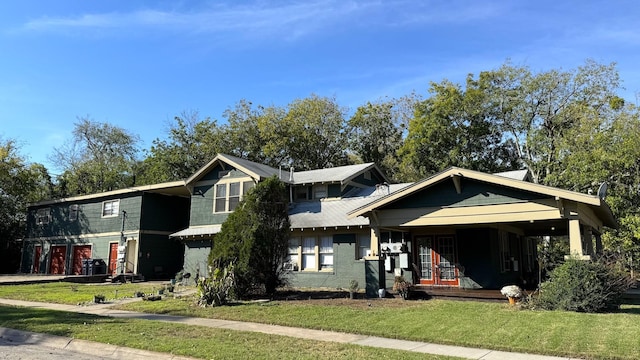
column 289, row 266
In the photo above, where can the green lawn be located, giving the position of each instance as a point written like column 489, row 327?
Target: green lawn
column 71, row 293
column 185, row 340
column 467, row 323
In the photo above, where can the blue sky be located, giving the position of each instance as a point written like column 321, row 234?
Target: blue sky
column 137, row 64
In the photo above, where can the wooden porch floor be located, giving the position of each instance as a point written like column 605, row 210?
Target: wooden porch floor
column 447, row 292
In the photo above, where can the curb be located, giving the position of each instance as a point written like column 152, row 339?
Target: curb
column 19, row 337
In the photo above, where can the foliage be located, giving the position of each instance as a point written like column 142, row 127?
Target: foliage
column 454, row 128
column 192, row 143
column 353, row 286
column 255, row 238
column 218, row 289
column 402, row 286
column 20, row 183
column 583, row 286
column 100, row 157
column 374, row 135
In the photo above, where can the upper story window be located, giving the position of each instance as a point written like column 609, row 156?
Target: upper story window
column 319, row 191
column 43, row 216
column 73, row 212
column 228, row 195
column 301, row 193
column 110, row 208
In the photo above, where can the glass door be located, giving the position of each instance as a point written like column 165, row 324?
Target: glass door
column 437, row 258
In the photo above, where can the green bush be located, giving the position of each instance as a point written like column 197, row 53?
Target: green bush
column 218, row 289
column 583, row 286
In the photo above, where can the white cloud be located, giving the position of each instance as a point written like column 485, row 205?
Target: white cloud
column 290, row 20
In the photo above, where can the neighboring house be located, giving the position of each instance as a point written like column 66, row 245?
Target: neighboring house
column 469, row 229
column 126, row 231
column 326, row 248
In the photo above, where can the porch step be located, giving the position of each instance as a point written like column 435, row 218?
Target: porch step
column 123, row 278
column 457, row 293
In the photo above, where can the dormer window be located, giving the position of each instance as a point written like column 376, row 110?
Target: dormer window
column 228, row 195
column 319, row 191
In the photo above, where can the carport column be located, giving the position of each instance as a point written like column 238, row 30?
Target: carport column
column 599, row 248
column 575, row 241
column 588, row 240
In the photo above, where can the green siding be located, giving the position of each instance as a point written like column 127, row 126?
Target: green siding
column 196, row 257
column 164, row 213
column 473, row 193
column 160, row 257
column 333, row 190
column 202, row 200
column 90, row 220
column 345, row 268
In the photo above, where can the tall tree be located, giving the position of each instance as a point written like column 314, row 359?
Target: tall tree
column 375, row 135
column 20, row 184
column 100, row 157
column 314, row 133
column 255, row 239
column 192, row 142
column 536, row 110
column 453, row 128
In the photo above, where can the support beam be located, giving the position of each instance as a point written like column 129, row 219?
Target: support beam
column 588, row 240
column 457, row 182
column 575, row 241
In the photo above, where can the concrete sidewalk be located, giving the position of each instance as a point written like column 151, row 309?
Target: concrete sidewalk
column 310, row 334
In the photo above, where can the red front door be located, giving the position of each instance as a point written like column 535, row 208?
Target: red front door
column 113, row 258
column 437, row 258
column 37, row 253
column 58, row 259
column 80, row 252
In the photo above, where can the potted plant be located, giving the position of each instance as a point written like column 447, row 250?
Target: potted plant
column 402, row 287
column 512, row 292
column 353, row 288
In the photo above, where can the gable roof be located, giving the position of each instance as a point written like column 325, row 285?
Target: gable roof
column 338, row 174
column 174, row 188
column 599, row 205
column 255, row 170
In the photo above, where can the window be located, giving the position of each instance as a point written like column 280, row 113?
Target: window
column 505, row 252
column 367, row 175
column 43, row 216
column 73, row 212
column 310, row 253
column 301, row 193
column 292, row 259
column 364, row 246
column 110, row 208
column 221, row 198
column 234, row 195
column 319, row 191
column 228, row 195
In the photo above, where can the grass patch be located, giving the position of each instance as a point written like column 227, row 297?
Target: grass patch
column 185, row 340
column 72, row 293
column 466, row 323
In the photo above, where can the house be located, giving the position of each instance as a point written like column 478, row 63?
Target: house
column 327, row 249
column 123, row 231
column 471, row 230
column 456, row 229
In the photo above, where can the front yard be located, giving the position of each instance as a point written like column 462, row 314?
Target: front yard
column 467, row 323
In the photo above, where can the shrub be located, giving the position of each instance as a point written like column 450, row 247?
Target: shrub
column 583, row 286
column 218, row 289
